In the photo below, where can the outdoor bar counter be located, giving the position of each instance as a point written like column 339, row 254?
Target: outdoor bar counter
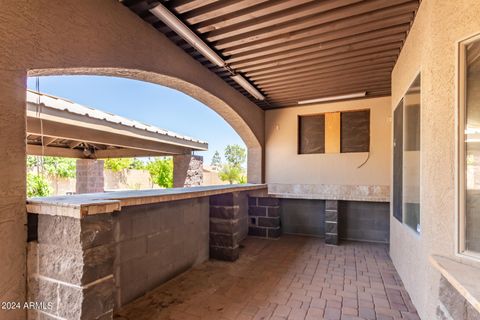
column 90, row 254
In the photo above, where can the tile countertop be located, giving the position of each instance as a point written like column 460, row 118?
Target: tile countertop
column 81, row 205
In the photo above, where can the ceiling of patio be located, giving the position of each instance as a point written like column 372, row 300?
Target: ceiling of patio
column 294, row 50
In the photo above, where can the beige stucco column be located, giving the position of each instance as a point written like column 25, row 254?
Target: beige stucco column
column 12, row 191
column 89, row 176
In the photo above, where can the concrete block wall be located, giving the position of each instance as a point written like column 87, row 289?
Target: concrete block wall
column 228, row 225
column 70, row 268
column 264, row 217
column 154, row 243
column 90, row 176
column 355, row 220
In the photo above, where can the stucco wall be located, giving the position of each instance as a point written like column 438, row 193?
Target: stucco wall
column 89, row 37
column 431, row 48
column 285, row 167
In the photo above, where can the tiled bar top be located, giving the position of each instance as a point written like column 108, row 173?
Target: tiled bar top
column 79, row 206
column 370, row 193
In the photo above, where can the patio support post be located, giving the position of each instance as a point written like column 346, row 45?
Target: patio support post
column 187, row 170
column 70, row 268
column 228, row 225
column 331, row 222
column 89, row 176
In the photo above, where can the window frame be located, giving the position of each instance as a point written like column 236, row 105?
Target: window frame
column 460, row 177
column 299, row 137
column 401, row 103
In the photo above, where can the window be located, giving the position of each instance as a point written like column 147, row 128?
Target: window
column 311, row 134
column 469, row 147
column 406, row 158
column 334, row 132
column 355, row 131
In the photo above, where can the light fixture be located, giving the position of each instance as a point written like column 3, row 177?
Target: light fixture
column 162, row 13
column 247, row 86
column 167, row 17
column 342, row 97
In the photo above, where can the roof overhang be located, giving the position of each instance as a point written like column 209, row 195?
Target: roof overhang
column 58, row 127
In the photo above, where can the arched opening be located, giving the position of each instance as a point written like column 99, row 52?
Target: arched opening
column 254, row 147
column 131, row 103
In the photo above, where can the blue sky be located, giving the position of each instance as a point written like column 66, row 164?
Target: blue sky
column 146, row 102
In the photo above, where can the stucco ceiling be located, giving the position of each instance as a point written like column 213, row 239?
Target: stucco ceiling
column 294, row 50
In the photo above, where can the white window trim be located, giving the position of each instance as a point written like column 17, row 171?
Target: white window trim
column 460, row 183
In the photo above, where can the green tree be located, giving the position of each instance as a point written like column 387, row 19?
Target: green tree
column 230, row 173
column 161, row 171
column 216, row 160
column 235, row 155
column 117, row 164
column 137, row 164
column 233, row 170
column 37, row 186
column 57, row 167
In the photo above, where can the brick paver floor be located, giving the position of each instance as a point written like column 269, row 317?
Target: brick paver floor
column 291, row 278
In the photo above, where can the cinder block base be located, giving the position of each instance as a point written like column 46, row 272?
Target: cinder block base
column 264, row 217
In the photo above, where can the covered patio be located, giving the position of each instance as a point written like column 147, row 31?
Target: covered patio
column 293, row 278
column 361, row 119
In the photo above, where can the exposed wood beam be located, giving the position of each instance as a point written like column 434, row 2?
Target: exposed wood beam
column 323, row 82
column 36, row 150
column 331, row 84
column 218, row 9
column 48, row 140
column 365, row 40
column 318, row 10
column 320, row 58
column 126, row 153
column 388, row 56
column 240, row 35
column 313, row 94
column 182, row 6
column 250, row 13
column 327, row 72
column 325, row 32
column 74, row 144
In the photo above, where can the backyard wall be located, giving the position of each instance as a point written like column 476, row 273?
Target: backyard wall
column 290, row 173
column 431, row 49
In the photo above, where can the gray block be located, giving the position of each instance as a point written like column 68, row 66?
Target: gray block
column 331, row 204
column 274, row 233
column 224, row 225
column 257, row 231
column 224, row 212
column 269, row 222
column 331, row 227
column 257, row 211
column 131, row 249
column 331, row 239
column 273, row 212
column 269, row 202
column 224, row 254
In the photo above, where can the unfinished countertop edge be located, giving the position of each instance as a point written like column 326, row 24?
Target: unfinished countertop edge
column 463, row 277
column 79, row 206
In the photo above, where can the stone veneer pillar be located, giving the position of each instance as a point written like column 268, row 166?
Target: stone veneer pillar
column 70, row 268
column 228, row 225
column 187, row 170
column 89, row 176
column 264, row 217
column 331, row 222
